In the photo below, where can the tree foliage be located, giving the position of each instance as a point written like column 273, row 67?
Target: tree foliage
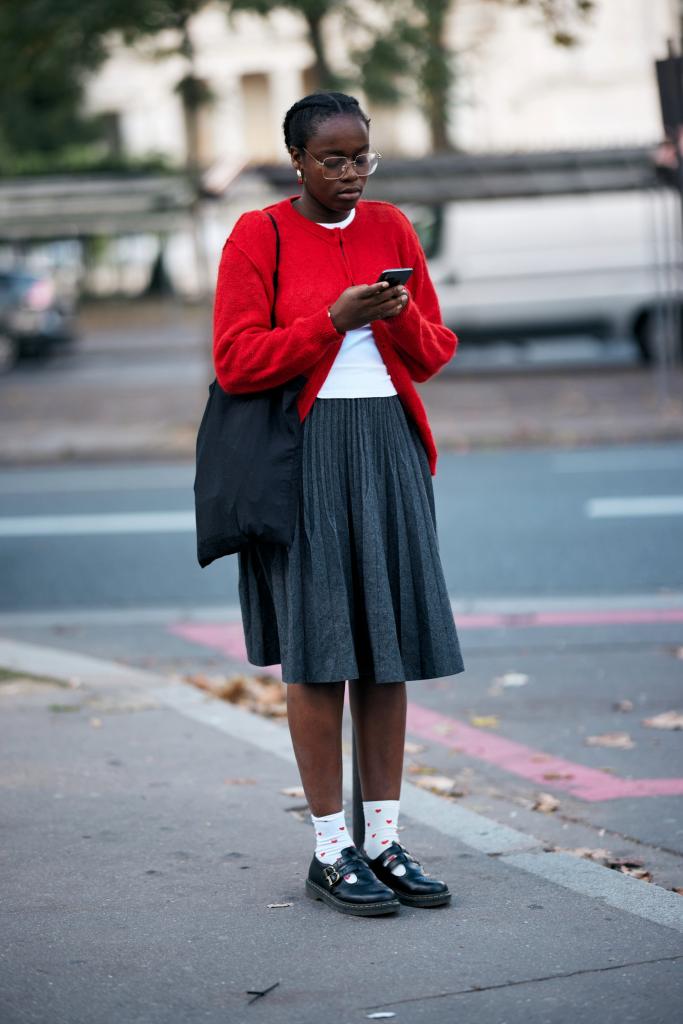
column 47, row 50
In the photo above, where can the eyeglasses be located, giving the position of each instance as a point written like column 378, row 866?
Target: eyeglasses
column 336, row 166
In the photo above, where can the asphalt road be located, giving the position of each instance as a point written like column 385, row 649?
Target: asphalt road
column 523, row 523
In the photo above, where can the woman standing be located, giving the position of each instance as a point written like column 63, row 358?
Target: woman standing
column 360, row 595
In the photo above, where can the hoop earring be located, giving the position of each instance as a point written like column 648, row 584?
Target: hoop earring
column 299, row 176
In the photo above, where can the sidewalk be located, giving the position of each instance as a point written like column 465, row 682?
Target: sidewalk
column 67, row 420
column 134, row 386
column 138, row 866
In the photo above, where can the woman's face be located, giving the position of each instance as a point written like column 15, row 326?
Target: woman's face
column 341, row 135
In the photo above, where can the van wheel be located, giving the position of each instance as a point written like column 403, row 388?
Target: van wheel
column 644, row 334
column 9, row 353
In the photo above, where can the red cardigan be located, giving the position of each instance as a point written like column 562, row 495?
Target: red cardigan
column 316, row 265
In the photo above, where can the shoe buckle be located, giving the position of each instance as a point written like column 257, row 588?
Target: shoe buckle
column 402, row 857
column 331, row 874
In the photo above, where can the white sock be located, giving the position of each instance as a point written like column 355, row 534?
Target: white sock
column 381, row 828
column 331, row 836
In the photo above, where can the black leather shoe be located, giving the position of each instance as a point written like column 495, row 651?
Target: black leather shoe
column 366, row 896
column 415, row 888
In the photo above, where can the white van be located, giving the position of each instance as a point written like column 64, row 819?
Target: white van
column 604, row 264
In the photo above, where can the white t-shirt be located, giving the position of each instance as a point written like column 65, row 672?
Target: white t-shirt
column 358, row 370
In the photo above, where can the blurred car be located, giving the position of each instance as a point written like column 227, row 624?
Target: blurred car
column 33, row 317
column 600, row 264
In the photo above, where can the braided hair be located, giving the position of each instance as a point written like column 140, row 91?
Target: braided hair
column 306, row 115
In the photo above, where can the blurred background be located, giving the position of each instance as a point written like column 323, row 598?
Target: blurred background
column 533, row 144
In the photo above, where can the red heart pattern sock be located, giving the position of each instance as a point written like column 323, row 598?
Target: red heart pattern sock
column 331, row 837
column 381, row 827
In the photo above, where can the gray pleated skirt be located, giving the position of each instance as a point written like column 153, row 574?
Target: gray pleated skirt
column 361, row 591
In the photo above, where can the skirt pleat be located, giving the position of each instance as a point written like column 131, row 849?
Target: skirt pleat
column 361, row 592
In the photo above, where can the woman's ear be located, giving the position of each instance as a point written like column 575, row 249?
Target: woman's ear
column 296, row 159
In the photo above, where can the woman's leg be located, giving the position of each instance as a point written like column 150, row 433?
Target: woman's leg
column 379, row 718
column 379, row 722
column 314, row 713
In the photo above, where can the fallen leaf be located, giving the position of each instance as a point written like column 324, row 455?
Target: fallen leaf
column 558, row 775
column 239, row 780
column 439, row 784
column 667, row 720
column 622, row 705
column 627, row 862
column 272, row 906
column 541, row 757
column 642, row 873
column 420, row 769
column 610, row 739
column 263, row 695
column 485, row 721
column 293, row 791
column 625, row 865
column 300, row 813
column 199, row 680
column 513, row 679
column 546, row 803
column 587, row 852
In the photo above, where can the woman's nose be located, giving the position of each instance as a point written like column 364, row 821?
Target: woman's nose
column 350, row 174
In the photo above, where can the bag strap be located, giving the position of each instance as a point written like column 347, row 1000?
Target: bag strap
column 275, row 271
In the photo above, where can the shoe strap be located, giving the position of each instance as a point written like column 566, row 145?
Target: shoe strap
column 398, row 853
column 349, row 860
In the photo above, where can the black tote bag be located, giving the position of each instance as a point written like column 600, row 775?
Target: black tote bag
column 248, row 464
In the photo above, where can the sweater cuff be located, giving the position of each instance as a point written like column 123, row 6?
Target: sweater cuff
column 327, row 331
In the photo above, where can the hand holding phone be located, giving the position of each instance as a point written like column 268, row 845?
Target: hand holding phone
column 361, row 304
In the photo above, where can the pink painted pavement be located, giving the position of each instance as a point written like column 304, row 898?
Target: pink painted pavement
column 589, row 784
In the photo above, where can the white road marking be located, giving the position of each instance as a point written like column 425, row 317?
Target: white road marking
column 98, row 523
column 626, row 508
column 184, row 521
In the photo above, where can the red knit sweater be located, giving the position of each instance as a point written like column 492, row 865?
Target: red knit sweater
column 316, row 265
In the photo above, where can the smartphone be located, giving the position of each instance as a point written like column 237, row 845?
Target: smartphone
column 399, row 275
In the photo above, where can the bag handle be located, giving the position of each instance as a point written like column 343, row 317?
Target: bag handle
column 275, row 271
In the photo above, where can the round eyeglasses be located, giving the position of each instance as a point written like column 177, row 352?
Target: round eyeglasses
column 336, row 166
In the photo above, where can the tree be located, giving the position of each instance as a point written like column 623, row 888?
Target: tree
column 314, row 13
column 47, row 50
column 44, row 54
column 414, row 53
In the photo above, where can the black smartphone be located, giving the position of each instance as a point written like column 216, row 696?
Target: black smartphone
column 399, row 275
